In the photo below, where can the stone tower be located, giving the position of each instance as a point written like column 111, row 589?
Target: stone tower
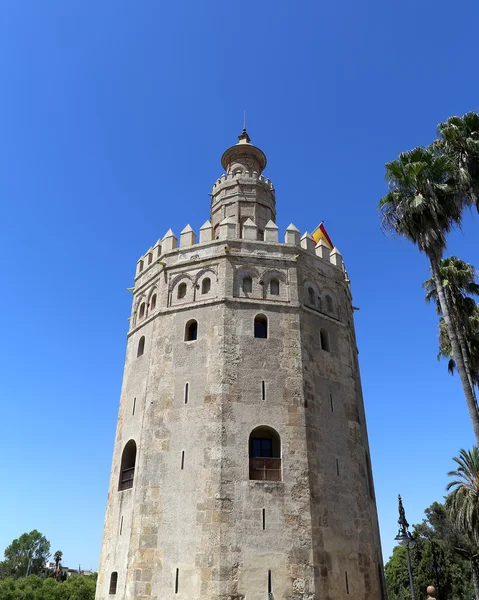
column 241, row 466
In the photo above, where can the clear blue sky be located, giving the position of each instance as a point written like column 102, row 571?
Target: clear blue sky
column 113, row 118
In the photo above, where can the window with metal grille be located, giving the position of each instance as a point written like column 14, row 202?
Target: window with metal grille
column 265, row 455
column 113, row 582
column 127, row 468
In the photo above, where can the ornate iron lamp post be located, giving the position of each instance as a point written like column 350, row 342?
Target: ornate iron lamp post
column 405, row 539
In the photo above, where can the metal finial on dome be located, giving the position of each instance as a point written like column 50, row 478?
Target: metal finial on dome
column 244, row 137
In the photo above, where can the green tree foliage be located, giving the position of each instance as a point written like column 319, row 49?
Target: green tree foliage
column 436, row 560
column 427, row 196
column 463, row 499
column 36, row 588
column 459, row 139
column 459, row 281
column 27, row 554
column 462, row 504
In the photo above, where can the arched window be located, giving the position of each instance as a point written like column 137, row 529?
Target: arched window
column 324, row 339
column 127, row 469
column 264, row 455
column 274, row 287
column 329, row 304
column 141, row 346
column 153, row 302
column 260, row 326
column 191, row 331
column 142, row 310
column 113, row 582
column 247, row 285
column 181, row 290
column 311, row 296
column 205, row 285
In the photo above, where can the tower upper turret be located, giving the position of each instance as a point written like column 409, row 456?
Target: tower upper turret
column 243, row 193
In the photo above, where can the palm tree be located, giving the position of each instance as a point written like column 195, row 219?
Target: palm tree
column 471, row 339
column 425, row 201
column 459, row 282
column 462, row 502
column 459, row 138
column 57, row 557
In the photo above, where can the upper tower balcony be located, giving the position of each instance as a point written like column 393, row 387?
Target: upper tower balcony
column 243, row 193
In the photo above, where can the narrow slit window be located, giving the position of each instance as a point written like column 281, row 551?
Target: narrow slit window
column 206, row 285
column 181, row 291
column 247, row 285
column 274, row 287
column 270, row 583
column 121, row 524
column 263, row 391
column 331, row 402
column 324, row 339
column 264, row 518
column 177, row 580
column 260, row 326
column 153, row 302
column 337, row 467
column 134, row 406
column 187, row 389
column 141, row 346
column 346, row 581
column 113, row 583
column 182, row 459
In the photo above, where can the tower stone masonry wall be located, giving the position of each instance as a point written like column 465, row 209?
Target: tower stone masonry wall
column 193, row 525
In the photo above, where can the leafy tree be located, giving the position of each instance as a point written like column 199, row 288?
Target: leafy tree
column 26, row 555
column 36, row 588
column 425, row 201
column 459, row 282
column 79, row 588
column 435, row 561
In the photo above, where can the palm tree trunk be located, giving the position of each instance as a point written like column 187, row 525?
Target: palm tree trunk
column 475, row 577
column 465, row 356
column 456, row 350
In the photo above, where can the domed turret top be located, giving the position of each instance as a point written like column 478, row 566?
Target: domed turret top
column 245, row 154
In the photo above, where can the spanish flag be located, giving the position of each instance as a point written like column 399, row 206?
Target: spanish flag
column 320, row 233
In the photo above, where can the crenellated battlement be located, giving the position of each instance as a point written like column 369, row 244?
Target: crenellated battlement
column 228, row 231
column 242, row 176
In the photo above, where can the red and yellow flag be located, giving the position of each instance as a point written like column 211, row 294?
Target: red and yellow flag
column 320, row 233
